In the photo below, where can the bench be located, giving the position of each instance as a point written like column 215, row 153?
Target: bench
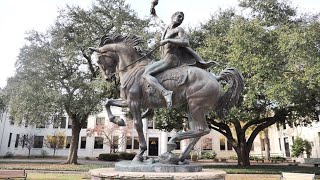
column 13, row 174
column 297, row 176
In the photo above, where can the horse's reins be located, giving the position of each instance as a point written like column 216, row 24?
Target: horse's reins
column 139, row 58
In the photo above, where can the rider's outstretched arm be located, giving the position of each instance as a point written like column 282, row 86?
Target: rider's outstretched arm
column 158, row 21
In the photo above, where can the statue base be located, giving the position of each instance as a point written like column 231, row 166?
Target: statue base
column 146, row 166
column 110, row 173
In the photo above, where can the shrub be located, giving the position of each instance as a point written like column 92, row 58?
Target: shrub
column 8, row 155
column 277, row 158
column 235, row 157
column 208, row 155
column 44, row 153
column 108, row 157
column 194, row 157
column 126, row 155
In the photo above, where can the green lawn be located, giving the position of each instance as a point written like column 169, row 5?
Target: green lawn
column 56, row 176
column 264, row 169
column 51, row 166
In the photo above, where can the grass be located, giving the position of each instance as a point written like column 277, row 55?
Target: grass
column 55, row 176
column 264, row 169
column 51, row 166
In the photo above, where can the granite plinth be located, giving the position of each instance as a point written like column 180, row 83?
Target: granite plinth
column 110, row 173
column 130, row 166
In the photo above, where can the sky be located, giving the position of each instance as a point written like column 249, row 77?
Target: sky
column 20, row 16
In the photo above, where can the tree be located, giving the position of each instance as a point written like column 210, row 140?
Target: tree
column 268, row 48
column 55, row 141
column 278, row 55
column 27, row 140
column 55, row 73
column 300, row 146
column 113, row 136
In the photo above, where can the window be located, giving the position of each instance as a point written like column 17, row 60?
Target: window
column 280, row 144
column 284, row 126
column 100, row 121
column 40, row 126
column 222, row 144
column 135, row 143
column 129, row 143
column 177, row 142
column 263, row 147
column 38, row 142
column 68, row 141
column 56, row 122
column 63, row 122
column 69, row 123
column 9, row 142
column 229, row 146
column 252, row 147
column 24, row 140
column 83, row 143
column 207, row 144
column 150, row 124
column 98, row 143
column 17, row 141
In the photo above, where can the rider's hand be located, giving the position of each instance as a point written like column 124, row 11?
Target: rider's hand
column 152, row 11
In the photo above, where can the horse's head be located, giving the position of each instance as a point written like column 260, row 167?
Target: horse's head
column 107, row 63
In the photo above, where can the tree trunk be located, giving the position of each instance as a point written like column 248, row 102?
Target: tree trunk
column 29, row 151
column 243, row 152
column 54, row 152
column 267, row 144
column 73, row 151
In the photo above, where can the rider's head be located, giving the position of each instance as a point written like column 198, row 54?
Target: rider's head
column 177, row 18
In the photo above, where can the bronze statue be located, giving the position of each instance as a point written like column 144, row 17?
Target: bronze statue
column 175, row 51
column 197, row 88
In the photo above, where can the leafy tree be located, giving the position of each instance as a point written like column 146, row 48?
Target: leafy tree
column 55, row 141
column 27, row 140
column 278, row 55
column 113, row 135
column 300, row 146
column 56, row 73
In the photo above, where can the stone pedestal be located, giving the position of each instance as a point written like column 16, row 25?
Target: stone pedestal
column 110, row 173
column 130, row 166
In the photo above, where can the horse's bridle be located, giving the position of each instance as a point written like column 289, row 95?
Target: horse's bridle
column 124, row 68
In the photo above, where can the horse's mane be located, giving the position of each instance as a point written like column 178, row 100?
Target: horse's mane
column 131, row 40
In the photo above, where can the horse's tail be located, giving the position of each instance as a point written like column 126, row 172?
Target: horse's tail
column 231, row 97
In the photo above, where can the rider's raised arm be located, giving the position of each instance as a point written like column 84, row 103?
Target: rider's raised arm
column 158, row 21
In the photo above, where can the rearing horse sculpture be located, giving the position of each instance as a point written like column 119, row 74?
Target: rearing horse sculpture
column 197, row 88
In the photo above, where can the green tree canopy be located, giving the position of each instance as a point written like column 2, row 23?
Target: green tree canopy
column 55, row 72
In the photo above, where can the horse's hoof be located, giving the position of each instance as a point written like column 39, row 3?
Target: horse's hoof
column 121, row 122
column 183, row 162
column 138, row 158
column 168, row 158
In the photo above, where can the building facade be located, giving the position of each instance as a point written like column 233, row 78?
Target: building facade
column 281, row 139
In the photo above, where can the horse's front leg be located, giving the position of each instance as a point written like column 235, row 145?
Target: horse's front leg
column 118, row 103
column 136, row 114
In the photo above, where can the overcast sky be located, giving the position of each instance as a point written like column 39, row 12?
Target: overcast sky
column 19, row 16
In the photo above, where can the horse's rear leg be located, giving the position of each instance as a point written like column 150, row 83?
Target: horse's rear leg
column 198, row 128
